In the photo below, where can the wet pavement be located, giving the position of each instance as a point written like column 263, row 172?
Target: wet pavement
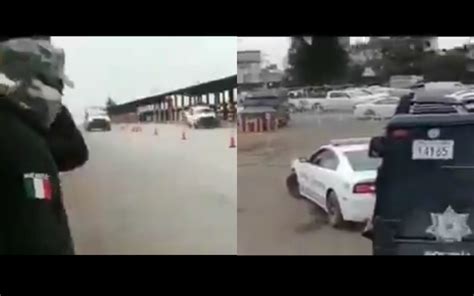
column 272, row 222
column 142, row 193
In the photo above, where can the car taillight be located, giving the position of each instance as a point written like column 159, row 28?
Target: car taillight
column 364, row 188
column 400, row 134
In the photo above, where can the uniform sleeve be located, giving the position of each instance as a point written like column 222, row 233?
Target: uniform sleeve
column 67, row 145
column 14, row 239
column 30, row 224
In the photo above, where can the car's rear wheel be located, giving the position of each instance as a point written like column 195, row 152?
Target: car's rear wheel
column 293, row 185
column 335, row 218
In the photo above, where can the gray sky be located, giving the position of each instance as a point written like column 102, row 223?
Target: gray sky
column 275, row 48
column 127, row 68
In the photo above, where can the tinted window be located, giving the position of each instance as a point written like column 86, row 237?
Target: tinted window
column 326, row 159
column 204, row 111
column 318, row 94
column 387, row 102
column 360, row 161
column 338, row 95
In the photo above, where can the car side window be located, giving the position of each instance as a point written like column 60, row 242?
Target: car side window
column 325, row 159
column 387, row 102
column 334, row 95
column 338, row 95
column 316, row 156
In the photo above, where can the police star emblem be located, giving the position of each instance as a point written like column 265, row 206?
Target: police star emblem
column 449, row 226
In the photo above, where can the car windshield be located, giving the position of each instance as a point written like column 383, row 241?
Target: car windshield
column 360, row 160
column 97, row 112
column 357, row 93
column 204, row 111
column 379, row 90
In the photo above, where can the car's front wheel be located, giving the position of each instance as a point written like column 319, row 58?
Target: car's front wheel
column 335, row 217
column 293, row 185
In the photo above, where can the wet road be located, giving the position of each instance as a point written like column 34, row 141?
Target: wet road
column 146, row 194
column 270, row 221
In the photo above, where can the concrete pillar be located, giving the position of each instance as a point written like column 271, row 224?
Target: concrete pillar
column 207, row 99
column 231, row 103
column 163, row 118
column 158, row 111
column 182, row 107
column 175, row 107
column 231, row 95
column 224, row 103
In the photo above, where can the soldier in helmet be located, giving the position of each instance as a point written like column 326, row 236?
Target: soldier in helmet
column 33, row 218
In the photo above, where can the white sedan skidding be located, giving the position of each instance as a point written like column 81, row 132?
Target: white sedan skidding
column 377, row 109
column 339, row 178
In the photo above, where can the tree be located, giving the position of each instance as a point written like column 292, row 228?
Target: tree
column 449, row 67
column 403, row 56
column 110, row 102
column 323, row 61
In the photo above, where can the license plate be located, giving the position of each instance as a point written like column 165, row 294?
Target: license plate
column 432, row 149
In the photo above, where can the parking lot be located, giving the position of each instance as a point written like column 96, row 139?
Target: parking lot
column 270, row 221
column 142, row 193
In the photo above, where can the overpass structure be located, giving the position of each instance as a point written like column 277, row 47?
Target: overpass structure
column 168, row 107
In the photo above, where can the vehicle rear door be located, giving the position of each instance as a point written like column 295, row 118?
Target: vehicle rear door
column 425, row 188
column 322, row 171
column 386, row 107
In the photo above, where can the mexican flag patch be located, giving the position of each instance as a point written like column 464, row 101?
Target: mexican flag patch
column 38, row 186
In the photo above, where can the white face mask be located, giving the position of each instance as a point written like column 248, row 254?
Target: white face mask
column 32, row 75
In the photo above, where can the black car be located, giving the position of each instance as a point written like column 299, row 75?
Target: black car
column 424, row 187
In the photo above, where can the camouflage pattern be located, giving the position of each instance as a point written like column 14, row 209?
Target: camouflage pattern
column 32, row 75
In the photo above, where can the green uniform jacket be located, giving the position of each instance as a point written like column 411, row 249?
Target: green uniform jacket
column 32, row 216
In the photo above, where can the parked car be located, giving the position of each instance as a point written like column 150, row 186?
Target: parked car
column 382, row 108
column 344, row 100
column 339, row 178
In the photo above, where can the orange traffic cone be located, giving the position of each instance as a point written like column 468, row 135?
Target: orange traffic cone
column 232, row 142
column 183, row 135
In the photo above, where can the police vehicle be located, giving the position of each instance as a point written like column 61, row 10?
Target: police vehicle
column 424, row 187
column 339, row 178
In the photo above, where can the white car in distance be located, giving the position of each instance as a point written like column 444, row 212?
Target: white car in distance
column 382, row 108
column 345, row 100
column 339, row 178
column 201, row 116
